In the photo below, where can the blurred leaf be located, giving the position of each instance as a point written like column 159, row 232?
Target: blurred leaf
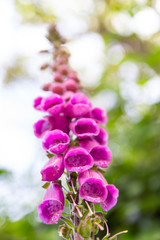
column 34, row 12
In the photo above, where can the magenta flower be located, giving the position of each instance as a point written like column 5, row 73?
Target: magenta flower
column 111, row 199
column 77, row 159
column 37, row 103
column 51, row 208
column 92, row 186
column 88, row 143
column 102, row 137
column 84, row 127
column 42, row 126
column 53, row 169
column 55, row 141
column 67, row 96
column 78, row 105
column 99, row 115
column 62, row 123
column 53, row 104
column 102, row 156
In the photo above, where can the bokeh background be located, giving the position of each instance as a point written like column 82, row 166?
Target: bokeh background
column 115, row 48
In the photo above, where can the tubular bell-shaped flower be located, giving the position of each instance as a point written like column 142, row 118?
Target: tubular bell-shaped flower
column 43, row 125
column 84, row 127
column 78, row 105
column 53, row 169
column 53, row 104
column 77, row 159
column 51, row 208
column 102, row 137
column 101, row 154
column 55, row 141
column 92, row 186
column 111, row 199
column 99, row 115
column 37, row 103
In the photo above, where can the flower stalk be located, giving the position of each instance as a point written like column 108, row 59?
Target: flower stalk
column 75, row 141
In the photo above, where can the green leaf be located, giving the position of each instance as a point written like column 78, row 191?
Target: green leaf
column 64, row 231
column 66, row 214
column 84, row 228
column 85, row 215
column 46, row 185
column 68, row 222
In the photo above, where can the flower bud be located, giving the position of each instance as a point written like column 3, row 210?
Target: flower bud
column 74, row 76
column 54, row 67
column 71, row 85
column 58, row 77
column 46, row 87
column 57, row 88
column 64, row 69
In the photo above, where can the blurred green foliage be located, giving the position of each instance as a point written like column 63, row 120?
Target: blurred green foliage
column 134, row 143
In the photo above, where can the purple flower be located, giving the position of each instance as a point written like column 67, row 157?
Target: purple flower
column 67, row 96
column 77, row 159
column 53, row 204
column 92, row 186
column 102, row 156
column 111, row 199
column 55, row 141
column 84, row 127
column 78, row 105
column 62, row 123
column 99, row 115
column 88, row 143
column 42, row 126
column 53, row 104
column 53, row 169
column 37, row 103
column 102, row 137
